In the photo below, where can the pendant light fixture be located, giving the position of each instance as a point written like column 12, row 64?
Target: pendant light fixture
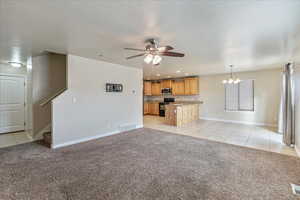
column 231, row 79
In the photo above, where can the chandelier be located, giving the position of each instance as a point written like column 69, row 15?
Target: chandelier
column 231, row 79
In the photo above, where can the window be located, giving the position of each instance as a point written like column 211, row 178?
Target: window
column 240, row 97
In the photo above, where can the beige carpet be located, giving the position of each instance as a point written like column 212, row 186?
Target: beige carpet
column 146, row 164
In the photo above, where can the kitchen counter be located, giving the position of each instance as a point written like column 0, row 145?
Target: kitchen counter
column 181, row 103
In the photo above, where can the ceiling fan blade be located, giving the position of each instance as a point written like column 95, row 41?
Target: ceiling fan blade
column 133, row 49
column 173, row 54
column 138, row 55
column 165, row 48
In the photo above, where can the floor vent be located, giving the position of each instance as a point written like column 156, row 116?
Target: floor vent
column 296, row 189
column 127, row 127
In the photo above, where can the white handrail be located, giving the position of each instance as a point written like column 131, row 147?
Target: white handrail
column 48, row 100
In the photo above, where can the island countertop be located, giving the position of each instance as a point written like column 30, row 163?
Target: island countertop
column 182, row 103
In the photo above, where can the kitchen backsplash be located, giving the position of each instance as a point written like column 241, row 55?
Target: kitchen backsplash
column 177, row 98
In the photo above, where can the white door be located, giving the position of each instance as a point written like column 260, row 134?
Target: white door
column 12, row 104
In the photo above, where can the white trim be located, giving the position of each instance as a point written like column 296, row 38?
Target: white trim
column 89, row 138
column 84, row 139
column 238, row 122
column 297, row 150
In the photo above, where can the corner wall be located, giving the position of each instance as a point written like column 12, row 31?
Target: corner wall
column 266, row 94
column 85, row 111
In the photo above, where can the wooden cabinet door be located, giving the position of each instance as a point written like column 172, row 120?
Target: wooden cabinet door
column 146, row 108
column 194, row 86
column 154, row 108
column 191, row 86
column 181, row 87
column 156, row 89
column 147, row 88
column 166, row 84
column 187, row 86
column 178, row 87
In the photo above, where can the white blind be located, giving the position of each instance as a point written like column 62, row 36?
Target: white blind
column 231, row 91
column 239, row 97
column 246, row 95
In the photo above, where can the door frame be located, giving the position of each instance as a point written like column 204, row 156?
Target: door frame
column 26, row 111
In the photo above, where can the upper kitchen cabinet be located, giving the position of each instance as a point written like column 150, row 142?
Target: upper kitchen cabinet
column 166, row 84
column 191, row 86
column 147, row 88
column 178, row 87
column 156, row 88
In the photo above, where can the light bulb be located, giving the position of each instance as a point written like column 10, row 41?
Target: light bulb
column 224, row 81
column 15, row 64
column 148, row 58
column 230, row 81
column 237, row 81
column 156, row 59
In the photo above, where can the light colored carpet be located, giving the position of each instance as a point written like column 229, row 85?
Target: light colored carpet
column 146, row 164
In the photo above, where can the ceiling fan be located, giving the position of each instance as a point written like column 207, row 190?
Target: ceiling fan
column 153, row 52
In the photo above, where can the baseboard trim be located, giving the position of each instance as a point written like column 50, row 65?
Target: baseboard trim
column 238, row 122
column 91, row 138
column 297, row 150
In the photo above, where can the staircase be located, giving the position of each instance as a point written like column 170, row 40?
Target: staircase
column 47, row 136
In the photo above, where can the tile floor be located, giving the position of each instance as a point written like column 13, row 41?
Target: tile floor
column 10, row 139
column 258, row 137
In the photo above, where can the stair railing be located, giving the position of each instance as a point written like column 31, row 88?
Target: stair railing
column 49, row 99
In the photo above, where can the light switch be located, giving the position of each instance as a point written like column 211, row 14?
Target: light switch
column 74, row 100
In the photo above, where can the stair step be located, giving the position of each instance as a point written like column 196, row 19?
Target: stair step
column 48, row 138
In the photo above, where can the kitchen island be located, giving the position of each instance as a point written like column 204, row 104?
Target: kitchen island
column 181, row 113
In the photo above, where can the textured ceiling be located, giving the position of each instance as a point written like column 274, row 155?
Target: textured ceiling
column 250, row 34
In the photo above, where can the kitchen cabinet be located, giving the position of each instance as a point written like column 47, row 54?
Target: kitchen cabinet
column 156, row 88
column 166, row 84
column 146, row 108
column 153, row 108
column 191, row 86
column 147, row 88
column 178, row 87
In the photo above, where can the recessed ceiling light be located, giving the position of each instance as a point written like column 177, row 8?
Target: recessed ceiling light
column 15, row 64
column 157, row 74
column 186, row 74
column 178, row 71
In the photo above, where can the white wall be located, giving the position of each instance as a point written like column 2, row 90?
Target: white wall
column 267, row 98
column 85, row 111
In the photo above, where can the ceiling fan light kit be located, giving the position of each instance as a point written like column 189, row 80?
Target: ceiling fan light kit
column 148, row 58
column 153, row 53
column 231, row 80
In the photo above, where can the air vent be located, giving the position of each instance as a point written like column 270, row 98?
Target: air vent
column 296, row 189
column 127, row 127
